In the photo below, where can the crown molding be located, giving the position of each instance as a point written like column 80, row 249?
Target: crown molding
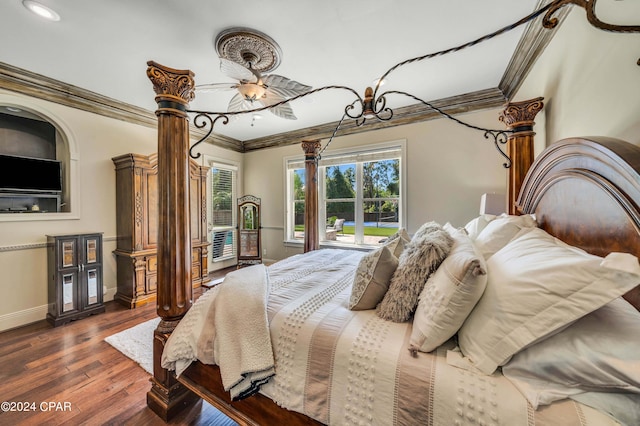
column 42, row 87
column 480, row 100
column 532, row 43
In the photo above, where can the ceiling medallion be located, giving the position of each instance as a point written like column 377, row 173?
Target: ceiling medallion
column 246, row 46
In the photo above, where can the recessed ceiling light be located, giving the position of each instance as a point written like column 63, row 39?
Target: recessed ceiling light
column 41, row 10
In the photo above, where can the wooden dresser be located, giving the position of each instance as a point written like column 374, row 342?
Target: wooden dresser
column 137, row 227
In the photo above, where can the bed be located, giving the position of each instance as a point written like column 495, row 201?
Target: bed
column 338, row 362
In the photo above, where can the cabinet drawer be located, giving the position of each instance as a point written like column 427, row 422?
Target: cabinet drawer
column 152, row 264
column 152, row 283
column 195, row 271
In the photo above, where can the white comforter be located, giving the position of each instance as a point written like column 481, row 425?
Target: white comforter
column 344, row 367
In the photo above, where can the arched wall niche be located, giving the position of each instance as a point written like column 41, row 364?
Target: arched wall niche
column 66, row 151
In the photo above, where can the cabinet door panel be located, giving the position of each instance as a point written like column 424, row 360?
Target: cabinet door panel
column 93, row 282
column 69, row 294
column 68, row 254
column 92, row 254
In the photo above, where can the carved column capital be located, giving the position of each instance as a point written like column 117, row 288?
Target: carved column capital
column 311, row 148
column 171, row 85
column 520, row 115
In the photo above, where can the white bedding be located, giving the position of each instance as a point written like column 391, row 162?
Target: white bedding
column 351, row 367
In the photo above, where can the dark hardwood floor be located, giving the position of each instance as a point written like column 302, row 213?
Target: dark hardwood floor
column 70, row 375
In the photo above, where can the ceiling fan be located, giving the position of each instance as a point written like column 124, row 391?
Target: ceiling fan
column 245, row 54
column 255, row 90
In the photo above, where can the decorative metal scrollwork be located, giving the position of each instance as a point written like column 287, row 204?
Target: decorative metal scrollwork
column 374, row 105
column 590, row 8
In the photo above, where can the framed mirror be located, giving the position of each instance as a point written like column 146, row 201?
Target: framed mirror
column 249, row 244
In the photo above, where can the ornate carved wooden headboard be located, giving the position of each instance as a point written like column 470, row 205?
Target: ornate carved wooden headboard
column 586, row 191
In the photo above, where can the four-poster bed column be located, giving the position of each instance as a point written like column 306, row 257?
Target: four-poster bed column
column 519, row 116
column 311, row 238
column 174, row 90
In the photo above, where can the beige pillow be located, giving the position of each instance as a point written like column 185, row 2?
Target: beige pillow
column 499, row 231
column 398, row 243
column 536, row 286
column 422, row 255
column 449, row 294
column 372, row 279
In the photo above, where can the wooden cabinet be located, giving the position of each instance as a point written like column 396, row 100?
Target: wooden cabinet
column 137, row 227
column 75, row 276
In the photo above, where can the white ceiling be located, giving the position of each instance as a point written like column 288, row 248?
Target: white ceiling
column 103, row 46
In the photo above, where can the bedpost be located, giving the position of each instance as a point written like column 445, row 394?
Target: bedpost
column 311, row 238
column 174, row 89
column 519, row 116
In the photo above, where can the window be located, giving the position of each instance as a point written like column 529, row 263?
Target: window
column 223, row 214
column 359, row 195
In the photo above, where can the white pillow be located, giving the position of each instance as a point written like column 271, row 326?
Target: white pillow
column 449, row 294
column 599, row 352
column 624, row 407
column 475, row 226
column 372, row 278
column 498, row 232
column 536, row 285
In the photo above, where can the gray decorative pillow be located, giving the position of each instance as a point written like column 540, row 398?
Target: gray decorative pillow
column 372, row 279
column 419, row 259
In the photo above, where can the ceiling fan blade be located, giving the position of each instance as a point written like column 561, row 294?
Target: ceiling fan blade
column 212, row 87
column 285, row 86
column 237, row 104
column 237, row 71
column 283, row 110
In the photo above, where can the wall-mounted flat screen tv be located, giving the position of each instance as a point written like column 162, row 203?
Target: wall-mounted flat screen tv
column 30, row 174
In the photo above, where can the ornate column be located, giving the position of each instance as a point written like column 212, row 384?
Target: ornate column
column 311, row 238
column 519, row 116
column 174, row 89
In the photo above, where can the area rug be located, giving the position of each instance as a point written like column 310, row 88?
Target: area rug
column 137, row 343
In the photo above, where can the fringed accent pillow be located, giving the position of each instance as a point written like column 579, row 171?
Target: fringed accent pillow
column 428, row 248
column 372, row 278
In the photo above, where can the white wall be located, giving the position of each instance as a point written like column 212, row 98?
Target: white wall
column 589, row 78
column 448, row 168
column 23, row 257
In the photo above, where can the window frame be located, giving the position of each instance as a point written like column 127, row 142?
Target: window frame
column 291, row 164
column 235, row 169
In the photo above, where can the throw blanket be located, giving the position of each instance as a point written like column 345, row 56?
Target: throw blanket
column 236, row 336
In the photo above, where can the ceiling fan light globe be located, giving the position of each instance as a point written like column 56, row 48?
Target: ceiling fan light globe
column 251, row 91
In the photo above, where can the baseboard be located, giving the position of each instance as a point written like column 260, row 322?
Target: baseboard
column 20, row 318
column 38, row 313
